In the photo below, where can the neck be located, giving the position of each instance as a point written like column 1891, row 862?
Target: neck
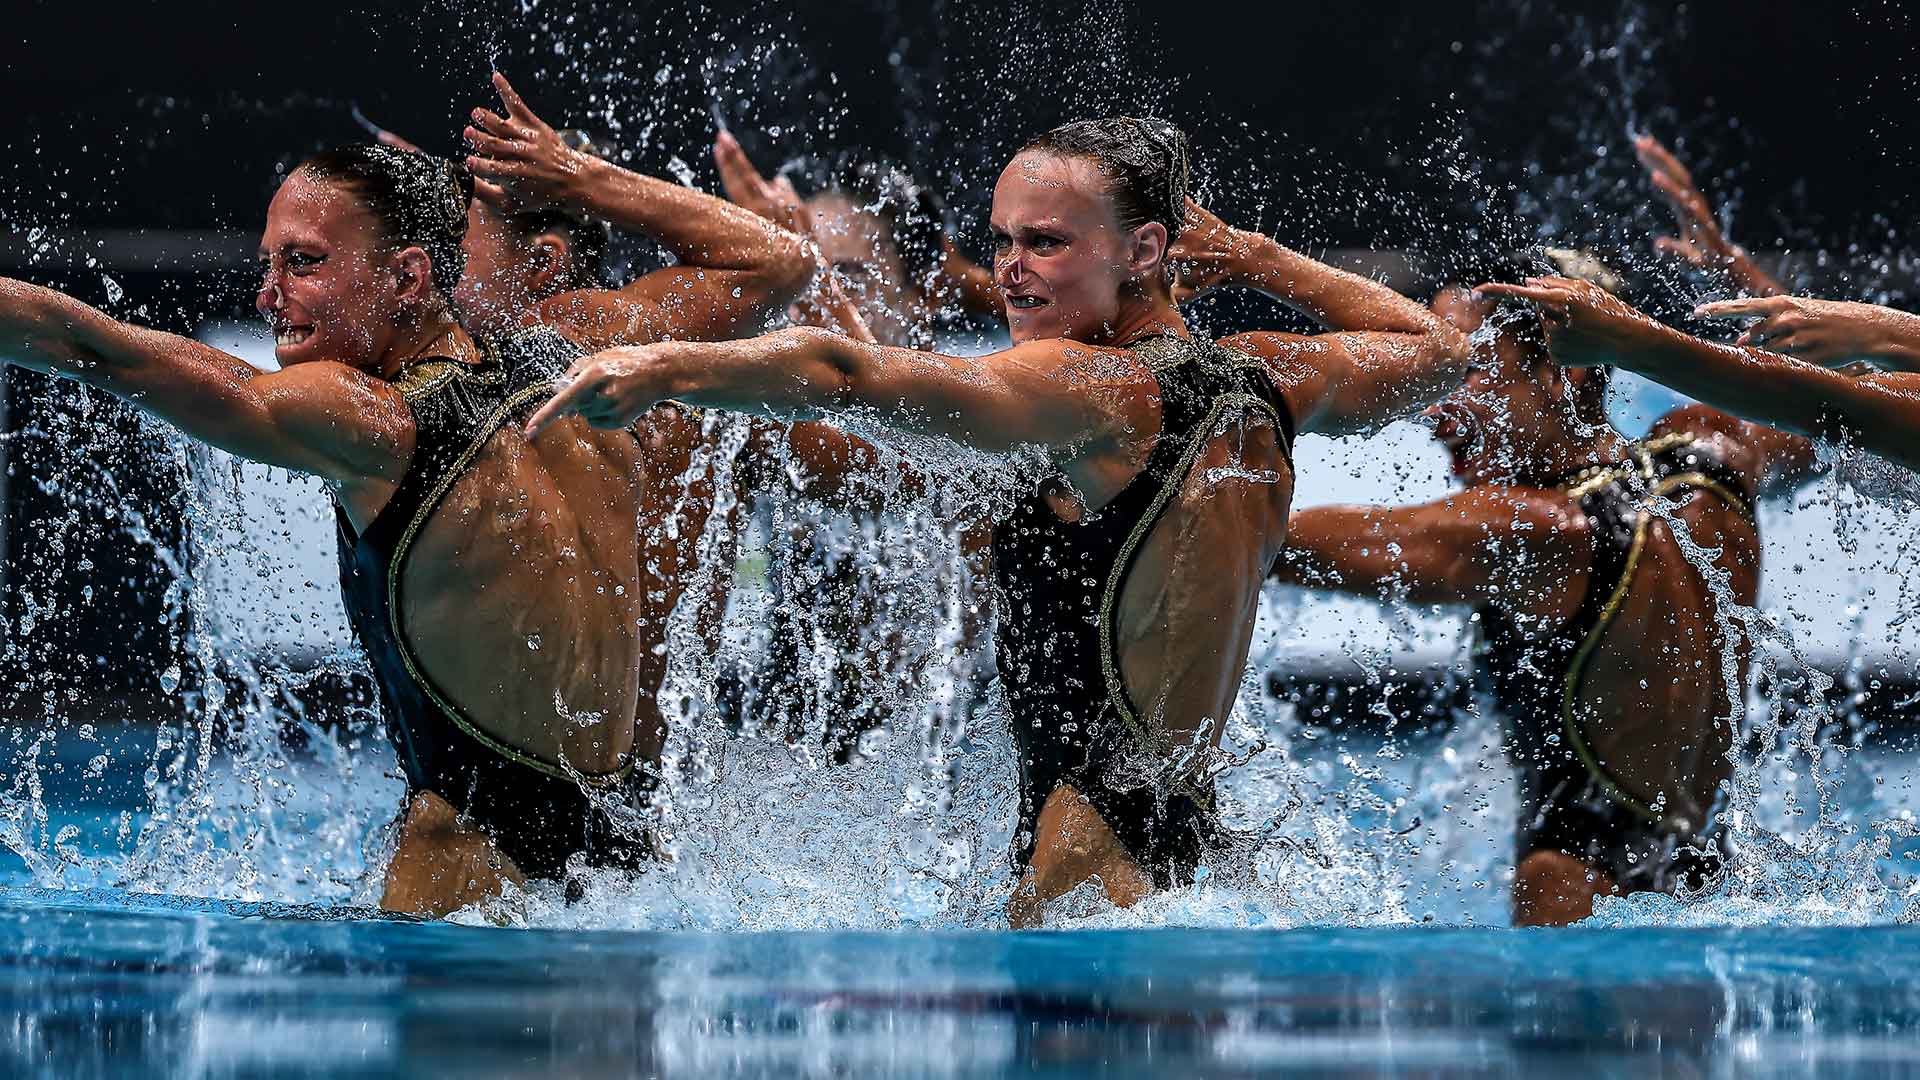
column 1140, row 316
column 436, row 334
column 1573, row 451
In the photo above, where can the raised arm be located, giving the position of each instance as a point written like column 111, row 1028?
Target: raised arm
column 1096, row 410
column 321, row 418
column 1700, row 240
column 1587, row 327
column 735, row 266
column 1211, row 254
column 1512, row 547
column 1387, row 358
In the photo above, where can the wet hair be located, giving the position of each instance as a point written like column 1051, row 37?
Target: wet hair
column 415, row 199
column 588, row 238
column 913, row 212
column 1145, row 161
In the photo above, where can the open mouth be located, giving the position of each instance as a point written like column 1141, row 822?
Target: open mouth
column 1025, row 303
column 291, row 335
column 1454, row 427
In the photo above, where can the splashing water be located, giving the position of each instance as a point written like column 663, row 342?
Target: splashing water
column 269, row 781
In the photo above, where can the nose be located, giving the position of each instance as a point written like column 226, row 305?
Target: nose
column 269, row 297
column 1011, row 268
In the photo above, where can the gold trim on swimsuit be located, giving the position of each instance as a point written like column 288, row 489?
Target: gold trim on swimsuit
column 435, row 380
column 1117, row 694
column 1584, row 484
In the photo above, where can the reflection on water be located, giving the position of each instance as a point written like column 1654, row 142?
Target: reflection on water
column 138, row 986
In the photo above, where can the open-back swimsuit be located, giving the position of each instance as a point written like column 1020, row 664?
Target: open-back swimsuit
column 1570, row 802
column 537, row 811
column 1060, row 585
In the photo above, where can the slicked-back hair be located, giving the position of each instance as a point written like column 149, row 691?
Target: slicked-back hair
column 1144, row 160
column 415, row 199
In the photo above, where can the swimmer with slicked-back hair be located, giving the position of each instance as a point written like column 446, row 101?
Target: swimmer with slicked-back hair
column 1128, row 582
column 502, row 592
column 1603, row 647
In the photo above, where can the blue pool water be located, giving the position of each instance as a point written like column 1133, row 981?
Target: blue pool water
column 107, row 984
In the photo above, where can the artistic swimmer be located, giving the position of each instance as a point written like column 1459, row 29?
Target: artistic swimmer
column 891, row 276
column 1836, row 370
column 1128, row 584
column 498, row 586
column 1602, row 646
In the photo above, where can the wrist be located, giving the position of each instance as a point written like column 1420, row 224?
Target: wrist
column 1258, row 261
column 588, row 181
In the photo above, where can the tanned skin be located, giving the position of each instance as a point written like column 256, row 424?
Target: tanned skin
column 1077, row 287
column 532, row 543
column 1588, row 327
column 1511, row 541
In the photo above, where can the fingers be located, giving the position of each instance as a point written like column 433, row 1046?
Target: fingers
column 1744, row 306
column 491, row 193
column 490, row 145
column 497, row 169
column 494, row 124
column 516, row 108
column 741, row 182
column 567, row 402
column 1537, row 294
column 1655, row 156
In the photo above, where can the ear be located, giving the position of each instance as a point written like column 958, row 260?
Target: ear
column 1147, row 249
column 415, row 271
column 552, row 262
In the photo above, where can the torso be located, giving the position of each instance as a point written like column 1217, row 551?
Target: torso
column 1630, row 696
column 529, row 596
column 1131, row 623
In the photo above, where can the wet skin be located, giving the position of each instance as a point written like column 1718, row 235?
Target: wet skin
column 1078, row 287
column 533, row 545
column 532, row 600
column 1653, row 697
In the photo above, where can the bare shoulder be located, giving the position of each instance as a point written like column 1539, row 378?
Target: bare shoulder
column 326, row 383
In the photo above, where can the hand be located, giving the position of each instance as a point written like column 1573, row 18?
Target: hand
column 1208, row 254
column 1831, row 333
column 1586, row 325
column 519, row 162
column 775, row 199
column 1700, row 241
column 610, row 389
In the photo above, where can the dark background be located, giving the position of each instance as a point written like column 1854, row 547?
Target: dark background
column 148, row 138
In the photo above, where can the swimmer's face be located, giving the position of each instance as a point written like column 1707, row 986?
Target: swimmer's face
column 860, row 247
column 507, row 274
column 1492, row 426
column 330, row 288
column 1061, row 262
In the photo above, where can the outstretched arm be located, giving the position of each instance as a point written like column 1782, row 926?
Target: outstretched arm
column 735, row 266
column 1095, row 409
column 1587, row 327
column 1512, row 547
column 321, row 418
column 1700, row 240
column 1831, row 333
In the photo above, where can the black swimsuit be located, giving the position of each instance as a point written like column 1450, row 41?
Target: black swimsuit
column 1060, row 585
column 538, row 812
column 1570, row 802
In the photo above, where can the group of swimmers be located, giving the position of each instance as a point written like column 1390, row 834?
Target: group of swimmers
column 512, row 451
